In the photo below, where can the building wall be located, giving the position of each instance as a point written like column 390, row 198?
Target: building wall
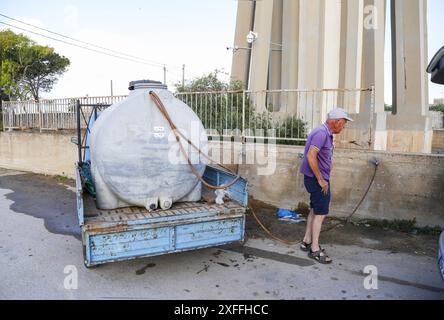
column 406, row 185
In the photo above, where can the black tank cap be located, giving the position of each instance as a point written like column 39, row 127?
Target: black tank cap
column 146, row 84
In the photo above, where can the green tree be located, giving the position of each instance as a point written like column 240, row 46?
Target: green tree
column 220, row 106
column 10, row 45
column 208, row 83
column 27, row 68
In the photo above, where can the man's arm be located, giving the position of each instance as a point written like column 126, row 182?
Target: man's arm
column 312, row 158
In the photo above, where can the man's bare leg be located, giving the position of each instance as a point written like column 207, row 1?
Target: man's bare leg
column 316, row 231
column 308, row 229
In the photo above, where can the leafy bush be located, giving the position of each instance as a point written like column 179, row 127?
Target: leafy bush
column 224, row 111
column 437, row 107
column 292, row 127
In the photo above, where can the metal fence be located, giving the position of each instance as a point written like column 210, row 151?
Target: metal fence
column 54, row 114
column 286, row 115
column 437, row 119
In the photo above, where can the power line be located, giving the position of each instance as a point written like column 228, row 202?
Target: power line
column 122, row 55
column 88, row 43
column 159, row 64
column 79, row 46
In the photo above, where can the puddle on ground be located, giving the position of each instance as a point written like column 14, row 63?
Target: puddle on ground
column 45, row 198
column 142, row 270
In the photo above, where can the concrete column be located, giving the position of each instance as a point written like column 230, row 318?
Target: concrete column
column 330, row 40
column 351, row 42
column 368, row 131
column 410, row 129
column 275, row 63
column 309, row 58
column 274, row 67
column 241, row 57
column 290, row 46
column 260, row 53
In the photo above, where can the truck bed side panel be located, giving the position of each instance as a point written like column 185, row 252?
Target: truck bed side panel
column 115, row 246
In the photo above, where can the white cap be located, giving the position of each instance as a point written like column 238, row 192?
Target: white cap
column 338, row 113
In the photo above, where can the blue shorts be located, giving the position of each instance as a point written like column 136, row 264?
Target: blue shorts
column 318, row 201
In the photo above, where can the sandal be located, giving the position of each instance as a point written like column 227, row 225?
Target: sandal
column 305, row 246
column 320, row 256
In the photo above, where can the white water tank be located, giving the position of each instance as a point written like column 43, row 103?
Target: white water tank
column 135, row 158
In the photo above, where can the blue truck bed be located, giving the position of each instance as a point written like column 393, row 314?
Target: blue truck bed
column 134, row 232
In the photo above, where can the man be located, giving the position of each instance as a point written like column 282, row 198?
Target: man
column 316, row 167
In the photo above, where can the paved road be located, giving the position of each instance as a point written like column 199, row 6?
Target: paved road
column 39, row 242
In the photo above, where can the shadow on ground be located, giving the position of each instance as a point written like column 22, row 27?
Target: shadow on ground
column 44, row 197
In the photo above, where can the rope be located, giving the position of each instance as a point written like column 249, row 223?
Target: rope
column 179, row 134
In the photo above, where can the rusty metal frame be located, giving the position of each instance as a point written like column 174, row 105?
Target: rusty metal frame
column 81, row 114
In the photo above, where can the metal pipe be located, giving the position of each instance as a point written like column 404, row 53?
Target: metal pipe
column 79, row 139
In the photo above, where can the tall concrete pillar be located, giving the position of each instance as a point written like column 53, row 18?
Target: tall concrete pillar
column 274, row 66
column 351, row 53
column 290, row 45
column 368, row 131
column 275, row 63
column 241, row 57
column 260, row 53
column 329, row 49
column 409, row 130
column 309, row 58
column 319, row 56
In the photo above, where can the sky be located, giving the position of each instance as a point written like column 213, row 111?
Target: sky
column 171, row 32
column 168, row 32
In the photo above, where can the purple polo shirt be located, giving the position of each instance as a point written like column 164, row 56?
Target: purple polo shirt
column 321, row 138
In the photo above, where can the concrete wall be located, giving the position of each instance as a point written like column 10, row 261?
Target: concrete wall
column 406, row 185
column 46, row 153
